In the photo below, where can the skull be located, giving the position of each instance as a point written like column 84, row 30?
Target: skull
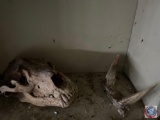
column 38, row 83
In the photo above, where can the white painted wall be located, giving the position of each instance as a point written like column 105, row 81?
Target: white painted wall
column 87, row 33
column 143, row 63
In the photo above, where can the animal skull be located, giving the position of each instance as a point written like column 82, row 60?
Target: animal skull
column 120, row 102
column 36, row 82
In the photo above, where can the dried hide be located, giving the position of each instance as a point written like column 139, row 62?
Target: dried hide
column 120, row 102
column 36, row 82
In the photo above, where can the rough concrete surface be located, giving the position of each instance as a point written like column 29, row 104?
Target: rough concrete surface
column 91, row 103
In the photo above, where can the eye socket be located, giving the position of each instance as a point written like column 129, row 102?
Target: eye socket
column 58, row 81
column 23, row 80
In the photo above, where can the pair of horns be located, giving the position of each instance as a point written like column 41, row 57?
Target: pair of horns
column 121, row 102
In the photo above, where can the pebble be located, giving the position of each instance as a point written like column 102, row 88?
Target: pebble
column 85, row 111
column 55, row 113
column 51, row 96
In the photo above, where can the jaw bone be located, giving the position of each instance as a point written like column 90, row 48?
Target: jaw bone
column 119, row 101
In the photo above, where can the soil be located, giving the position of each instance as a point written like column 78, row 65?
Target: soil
column 91, row 103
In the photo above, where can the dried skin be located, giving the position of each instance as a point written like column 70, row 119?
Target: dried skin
column 38, row 83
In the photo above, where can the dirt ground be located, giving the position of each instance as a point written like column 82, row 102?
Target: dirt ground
column 91, row 103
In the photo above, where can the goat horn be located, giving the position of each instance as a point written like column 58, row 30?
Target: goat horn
column 111, row 74
column 136, row 97
column 121, row 103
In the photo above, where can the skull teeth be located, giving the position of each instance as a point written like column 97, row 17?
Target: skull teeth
column 37, row 96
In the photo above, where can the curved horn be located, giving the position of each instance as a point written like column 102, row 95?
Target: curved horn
column 136, row 97
column 111, row 74
column 122, row 104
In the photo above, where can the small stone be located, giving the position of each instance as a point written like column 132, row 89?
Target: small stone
column 55, row 113
column 51, row 96
column 85, row 111
column 29, row 107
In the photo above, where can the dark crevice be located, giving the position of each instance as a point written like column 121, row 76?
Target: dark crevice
column 58, row 81
column 23, row 80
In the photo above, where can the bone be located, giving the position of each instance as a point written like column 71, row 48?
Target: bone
column 120, row 102
column 45, row 86
column 64, row 98
column 21, row 88
column 68, row 96
column 136, row 97
column 5, row 89
column 25, row 73
column 111, row 74
column 18, row 88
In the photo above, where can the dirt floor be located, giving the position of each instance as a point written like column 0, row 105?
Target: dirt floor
column 91, row 103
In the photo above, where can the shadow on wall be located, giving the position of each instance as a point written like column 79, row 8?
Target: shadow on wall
column 69, row 60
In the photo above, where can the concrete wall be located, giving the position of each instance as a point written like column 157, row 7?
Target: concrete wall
column 143, row 63
column 76, row 35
